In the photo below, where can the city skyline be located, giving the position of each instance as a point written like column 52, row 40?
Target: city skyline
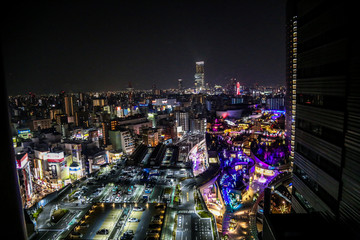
column 92, row 47
column 146, row 122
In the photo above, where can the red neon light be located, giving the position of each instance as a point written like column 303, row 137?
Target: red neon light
column 225, row 114
column 237, row 88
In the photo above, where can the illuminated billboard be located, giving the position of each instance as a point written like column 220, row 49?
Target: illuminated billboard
column 23, row 131
column 54, row 157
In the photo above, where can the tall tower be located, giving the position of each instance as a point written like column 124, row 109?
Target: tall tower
column 199, row 77
column 180, row 86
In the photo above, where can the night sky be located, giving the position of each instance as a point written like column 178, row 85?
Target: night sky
column 104, row 45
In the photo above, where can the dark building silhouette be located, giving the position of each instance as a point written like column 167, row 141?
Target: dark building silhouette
column 11, row 200
column 327, row 112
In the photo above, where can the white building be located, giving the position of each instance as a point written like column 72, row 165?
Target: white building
column 127, row 142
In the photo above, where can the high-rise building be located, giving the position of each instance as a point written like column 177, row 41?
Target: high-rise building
column 98, row 102
column 291, row 75
column 198, row 125
column 114, row 136
column 69, row 102
column 199, row 77
column 275, row 103
column 182, row 121
column 180, row 86
column 122, row 140
column 127, row 142
column 327, row 134
column 231, row 87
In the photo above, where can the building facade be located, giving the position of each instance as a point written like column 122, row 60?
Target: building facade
column 69, row 102
column 199, row 77
column 40, row 123
column 127, row 142
column 291, row 77
column 326, row 163
column 182, row 121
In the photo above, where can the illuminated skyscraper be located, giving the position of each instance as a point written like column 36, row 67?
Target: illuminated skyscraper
column 291, row 75
column 199, row 77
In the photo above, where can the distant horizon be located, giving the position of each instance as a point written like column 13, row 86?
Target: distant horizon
column 123, row 90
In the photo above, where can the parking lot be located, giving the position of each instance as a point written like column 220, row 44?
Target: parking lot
column 101, row 216
column 116, row 221
column 127, row 202
column 109, row 223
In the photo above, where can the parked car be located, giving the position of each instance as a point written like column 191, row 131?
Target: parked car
column 138, row 209
column 84, row 224
column 103, row 231
column 133, row 220
column 129, row 232
column 75, row 235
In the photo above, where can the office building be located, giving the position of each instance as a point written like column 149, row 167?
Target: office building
column 327, row 135
column 275, row 103
column 122, row 140
column 40, row 124
column 127, row 142
column 98, row 102
column 199, row 77
column 69, row 102
column 182, row 121
column 115, row 139
column 54, row 112
column 198, row 125
column 150, row 137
